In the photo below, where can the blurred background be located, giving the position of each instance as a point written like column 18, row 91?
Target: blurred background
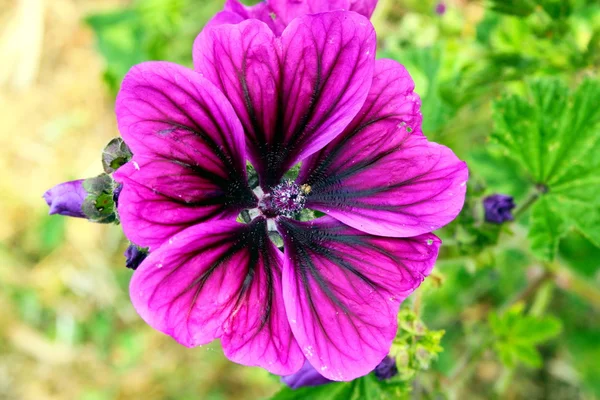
column 67, row 328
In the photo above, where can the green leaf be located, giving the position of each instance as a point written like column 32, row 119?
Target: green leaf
column 536, row 330
column 554, row 134
column 521, row 8
column 333, row 391
column 366, row 387
column 527, row 354
column 119, row 37
column 517, row 335
column 546, row 230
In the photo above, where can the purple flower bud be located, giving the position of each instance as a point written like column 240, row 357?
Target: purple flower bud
column 386, row 369
column 440, row 8
column 134, row 256
column 306, row 376
column 66, row 199
column 497, row 208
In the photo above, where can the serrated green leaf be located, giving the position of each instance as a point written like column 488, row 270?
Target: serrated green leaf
column 546, row 230
column 551, row 130
column 554, row 134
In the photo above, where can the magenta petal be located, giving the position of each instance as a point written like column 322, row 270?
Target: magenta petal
column 220, row 279
column 381, row 175
column 286, row 10
column 364, row 7
column 242, row 61
column 189, row 157
column 293, row 94
column 342, row 290
column 277, row 14
column 261, row 11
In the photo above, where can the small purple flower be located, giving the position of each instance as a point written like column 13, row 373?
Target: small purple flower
column 498, row 208
column 386, row 369
column 67, row 198
column 440, row 8
column 278, row 14
column 314, row 94
column 134, row 256
column 309, row 376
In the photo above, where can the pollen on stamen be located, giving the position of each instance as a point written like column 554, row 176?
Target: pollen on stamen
column 285, row 199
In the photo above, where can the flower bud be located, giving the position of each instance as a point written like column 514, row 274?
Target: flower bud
column 498, row 208
column 134, row 256
column 386, row 369
column 67, row 199
column 99, row 205
column 306, row 376
column 115, row 154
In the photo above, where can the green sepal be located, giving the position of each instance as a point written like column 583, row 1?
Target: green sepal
column 115, row 154
column 99, row 205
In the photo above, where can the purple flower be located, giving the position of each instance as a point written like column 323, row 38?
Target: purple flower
column 440, row 8
column 66, row 199
column 278, row 14
column 315, row 94
column 497, row 208
column 309, row 376
column 386, row 369
column 134, row 256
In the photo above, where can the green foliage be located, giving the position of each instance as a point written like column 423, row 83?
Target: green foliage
column 554, row 134
column 367, row 387
column 516, row 336
column 148, row 30
column 415, row 346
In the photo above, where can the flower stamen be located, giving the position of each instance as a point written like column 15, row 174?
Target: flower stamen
column 286, row 199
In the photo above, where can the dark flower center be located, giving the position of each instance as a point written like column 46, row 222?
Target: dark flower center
column 285, row 199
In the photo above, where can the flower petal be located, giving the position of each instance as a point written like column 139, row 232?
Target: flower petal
column 261, row 11
column 364, row 7
column 381, row 175
column 277, row 14
column 220, row 279
column 189, row 157
column 67, row 199
column 342, row 290
column 293, row 94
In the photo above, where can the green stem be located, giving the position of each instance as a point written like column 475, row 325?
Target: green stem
column 533, row 197
column 575, row 284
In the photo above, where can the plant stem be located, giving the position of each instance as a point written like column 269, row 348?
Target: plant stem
column 575, row 284
column 527, row 203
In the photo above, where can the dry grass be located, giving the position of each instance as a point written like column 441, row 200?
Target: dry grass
column 67, row 329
